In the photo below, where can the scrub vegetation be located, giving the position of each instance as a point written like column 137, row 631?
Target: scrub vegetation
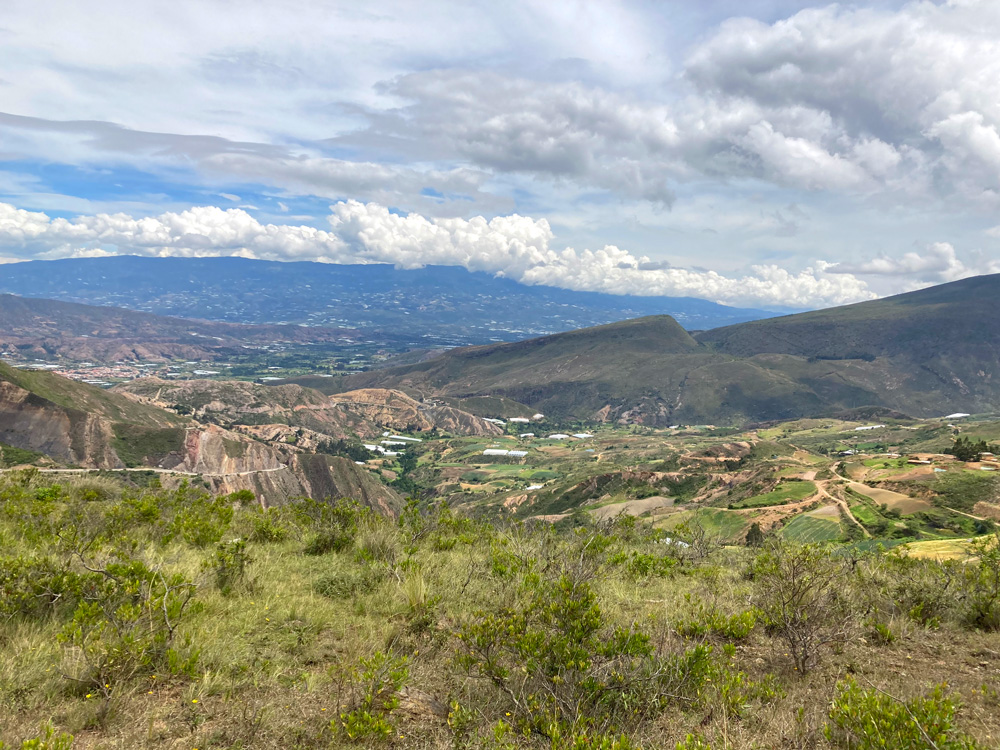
column 154, row 617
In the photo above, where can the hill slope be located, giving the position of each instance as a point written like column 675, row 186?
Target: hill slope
column 924, row 353
column 78, row 424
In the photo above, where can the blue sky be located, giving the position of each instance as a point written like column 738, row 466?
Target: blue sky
column 752, row 153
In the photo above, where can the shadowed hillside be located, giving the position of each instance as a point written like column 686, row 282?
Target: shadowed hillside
column 924, row 353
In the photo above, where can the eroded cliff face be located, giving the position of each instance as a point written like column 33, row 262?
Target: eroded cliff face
column 308, row 475
column 213, row 450
column 398, row 411
column 30, row 422
column 228, row 461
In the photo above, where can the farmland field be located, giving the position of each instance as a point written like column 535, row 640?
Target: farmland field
column 894, row 500
column 720, row 523
column 811, row 529
column 787, row 492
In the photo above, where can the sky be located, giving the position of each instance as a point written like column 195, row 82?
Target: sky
column 757, row 153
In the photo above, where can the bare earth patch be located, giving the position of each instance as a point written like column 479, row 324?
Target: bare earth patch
column 633, row 507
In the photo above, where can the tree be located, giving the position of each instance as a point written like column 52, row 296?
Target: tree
column 755, row 535
column 965, row 449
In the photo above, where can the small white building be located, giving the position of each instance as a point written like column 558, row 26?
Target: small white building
column 526, row 434
column 558, row 436
column 496, row 452
column 519, row 420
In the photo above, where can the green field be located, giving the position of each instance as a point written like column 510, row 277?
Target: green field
column 786, row 492
column 865, row 514
column 718, row 523
column 811, row 529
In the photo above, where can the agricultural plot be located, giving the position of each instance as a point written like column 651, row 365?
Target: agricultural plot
column 893, row 500
column 787, row 492
column 865, row 514
column 717, row 523
column 809, row 528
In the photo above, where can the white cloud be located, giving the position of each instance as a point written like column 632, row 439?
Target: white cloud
column 936, row 263
column 514, row 246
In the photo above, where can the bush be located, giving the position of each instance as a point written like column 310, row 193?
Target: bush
column 709, row 621
column 125, row 626
column 47, row 739
column 335, row 524
column 229, row 566
column 379, row 679
column 378, row 542
column 871, row 720
column 982, row 585
column 800, row 592
column 202, row 524
column 345, row 583
column 267, row 527
column 36, row 588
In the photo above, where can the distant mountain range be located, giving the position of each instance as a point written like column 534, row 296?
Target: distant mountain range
column 926, row 353
column 432, row 306
column 47, row 329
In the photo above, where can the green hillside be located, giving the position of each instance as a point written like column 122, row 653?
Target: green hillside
column 925, row 353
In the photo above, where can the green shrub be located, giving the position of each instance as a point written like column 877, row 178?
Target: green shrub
column 709, row 621
column 377, row 541
column 267, row 527
column 801, row 595
column 693, row 742
column 35, row 588
column 643, row 565
column 229, row 566
column 982, row 585
column 125, row 626
column 871, row 720
column 378, row 681
column 346, row 582
column 203, row 523
column 47, row 739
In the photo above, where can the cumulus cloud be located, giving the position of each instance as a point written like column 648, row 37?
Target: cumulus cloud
column 854, row 101
column 517, row 247
column 936, row 263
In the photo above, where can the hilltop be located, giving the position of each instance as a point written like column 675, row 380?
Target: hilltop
column 924, row 353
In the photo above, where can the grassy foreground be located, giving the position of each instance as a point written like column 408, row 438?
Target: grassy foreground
column 134, row 618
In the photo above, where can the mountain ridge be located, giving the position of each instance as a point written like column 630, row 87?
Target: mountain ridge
column 923, row 353
column 435, row 304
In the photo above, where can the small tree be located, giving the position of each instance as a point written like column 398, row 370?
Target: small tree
column 755, row 535
column 800, row 592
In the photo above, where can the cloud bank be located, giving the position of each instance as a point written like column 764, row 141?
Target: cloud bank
column 517, row 247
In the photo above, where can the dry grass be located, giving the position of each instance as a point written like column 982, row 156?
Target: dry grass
column 277, row 662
